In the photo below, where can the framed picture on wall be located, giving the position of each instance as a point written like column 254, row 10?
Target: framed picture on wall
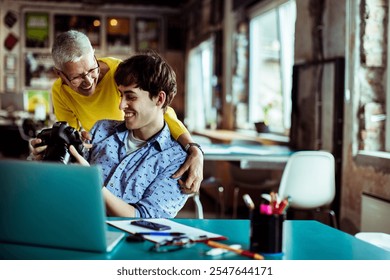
column 37, row 100
column 10, row 63
column 10, row 41
column 37, row 29
column 148, row 34
column 10, row 83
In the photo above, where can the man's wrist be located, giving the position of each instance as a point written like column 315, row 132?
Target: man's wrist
column 189, row 145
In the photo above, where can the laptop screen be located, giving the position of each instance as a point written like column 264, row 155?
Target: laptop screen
column 52, row 204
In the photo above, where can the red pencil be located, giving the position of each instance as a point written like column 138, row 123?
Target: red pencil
column 237, row 251
column 282, row 206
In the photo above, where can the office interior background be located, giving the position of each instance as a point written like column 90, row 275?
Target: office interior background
column 314, row 71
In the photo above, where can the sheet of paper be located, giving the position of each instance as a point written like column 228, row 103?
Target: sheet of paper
column 195, row 233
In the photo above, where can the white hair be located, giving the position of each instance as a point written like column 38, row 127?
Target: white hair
column 70, row 46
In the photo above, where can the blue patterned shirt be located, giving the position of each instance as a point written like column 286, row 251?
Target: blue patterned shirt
column 142, row 178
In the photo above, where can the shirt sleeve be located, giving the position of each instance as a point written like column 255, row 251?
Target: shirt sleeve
column 176, row 127
column 61, row 111
column 162, row 198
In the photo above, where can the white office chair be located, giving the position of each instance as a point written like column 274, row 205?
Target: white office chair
column 308, row 181
column 198, row 206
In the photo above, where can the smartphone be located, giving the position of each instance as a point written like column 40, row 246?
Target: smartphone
column 150, row 225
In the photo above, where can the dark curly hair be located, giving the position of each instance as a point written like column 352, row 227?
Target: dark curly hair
column 150, row 72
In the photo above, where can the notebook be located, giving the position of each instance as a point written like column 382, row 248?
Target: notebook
column 54, row 205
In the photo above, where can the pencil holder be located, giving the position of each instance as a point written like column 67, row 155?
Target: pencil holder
column 266, row 232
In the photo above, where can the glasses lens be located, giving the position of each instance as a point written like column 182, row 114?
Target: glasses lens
column 93, row 73
column 172, row 245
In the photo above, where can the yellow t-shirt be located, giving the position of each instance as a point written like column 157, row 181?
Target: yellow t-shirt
column 83, row 111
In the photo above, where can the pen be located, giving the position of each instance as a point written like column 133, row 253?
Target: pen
column 248, row 201
column 237, row 251
column 161, row 233
column 274, row 201
column 282, row 206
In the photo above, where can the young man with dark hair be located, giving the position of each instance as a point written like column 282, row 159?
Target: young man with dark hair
column 139, row 155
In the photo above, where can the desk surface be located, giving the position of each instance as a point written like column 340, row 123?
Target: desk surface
column 226, row 136
column 302, row 240
column 250, row 156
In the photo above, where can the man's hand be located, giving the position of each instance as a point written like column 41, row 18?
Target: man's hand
column 77, row 156
column 194, row 166
column 36, row 153
column 86, row 138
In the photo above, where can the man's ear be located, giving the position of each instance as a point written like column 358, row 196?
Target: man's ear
column 162, row 96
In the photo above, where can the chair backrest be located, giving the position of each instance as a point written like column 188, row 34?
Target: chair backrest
column 309, row 179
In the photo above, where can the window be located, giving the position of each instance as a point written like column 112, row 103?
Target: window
column 118, row 30
column 271, row 50
column 148, row 34
column 88, row 24
column 200, row 112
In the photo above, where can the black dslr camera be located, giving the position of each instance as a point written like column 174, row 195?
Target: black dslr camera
column 58, row 139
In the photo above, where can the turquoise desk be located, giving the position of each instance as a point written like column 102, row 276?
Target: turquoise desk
column 303, row 240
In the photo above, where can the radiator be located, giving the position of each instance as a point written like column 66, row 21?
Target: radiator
column 375, row 214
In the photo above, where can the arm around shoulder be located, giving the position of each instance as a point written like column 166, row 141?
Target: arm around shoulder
column 176, row 127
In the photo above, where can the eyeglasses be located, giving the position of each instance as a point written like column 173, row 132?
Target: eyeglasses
column 172, row 245
column 93, row 73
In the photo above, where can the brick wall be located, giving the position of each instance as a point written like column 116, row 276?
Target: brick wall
column 371, row 75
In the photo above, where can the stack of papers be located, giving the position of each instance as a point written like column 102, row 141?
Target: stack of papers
column 191, row 232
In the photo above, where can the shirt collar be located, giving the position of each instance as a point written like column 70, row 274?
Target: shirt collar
column 159, row 139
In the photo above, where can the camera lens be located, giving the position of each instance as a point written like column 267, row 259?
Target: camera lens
column 58, row 140
column 57, row 153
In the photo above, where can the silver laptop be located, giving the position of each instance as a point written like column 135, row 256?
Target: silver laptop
column 54, row 205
